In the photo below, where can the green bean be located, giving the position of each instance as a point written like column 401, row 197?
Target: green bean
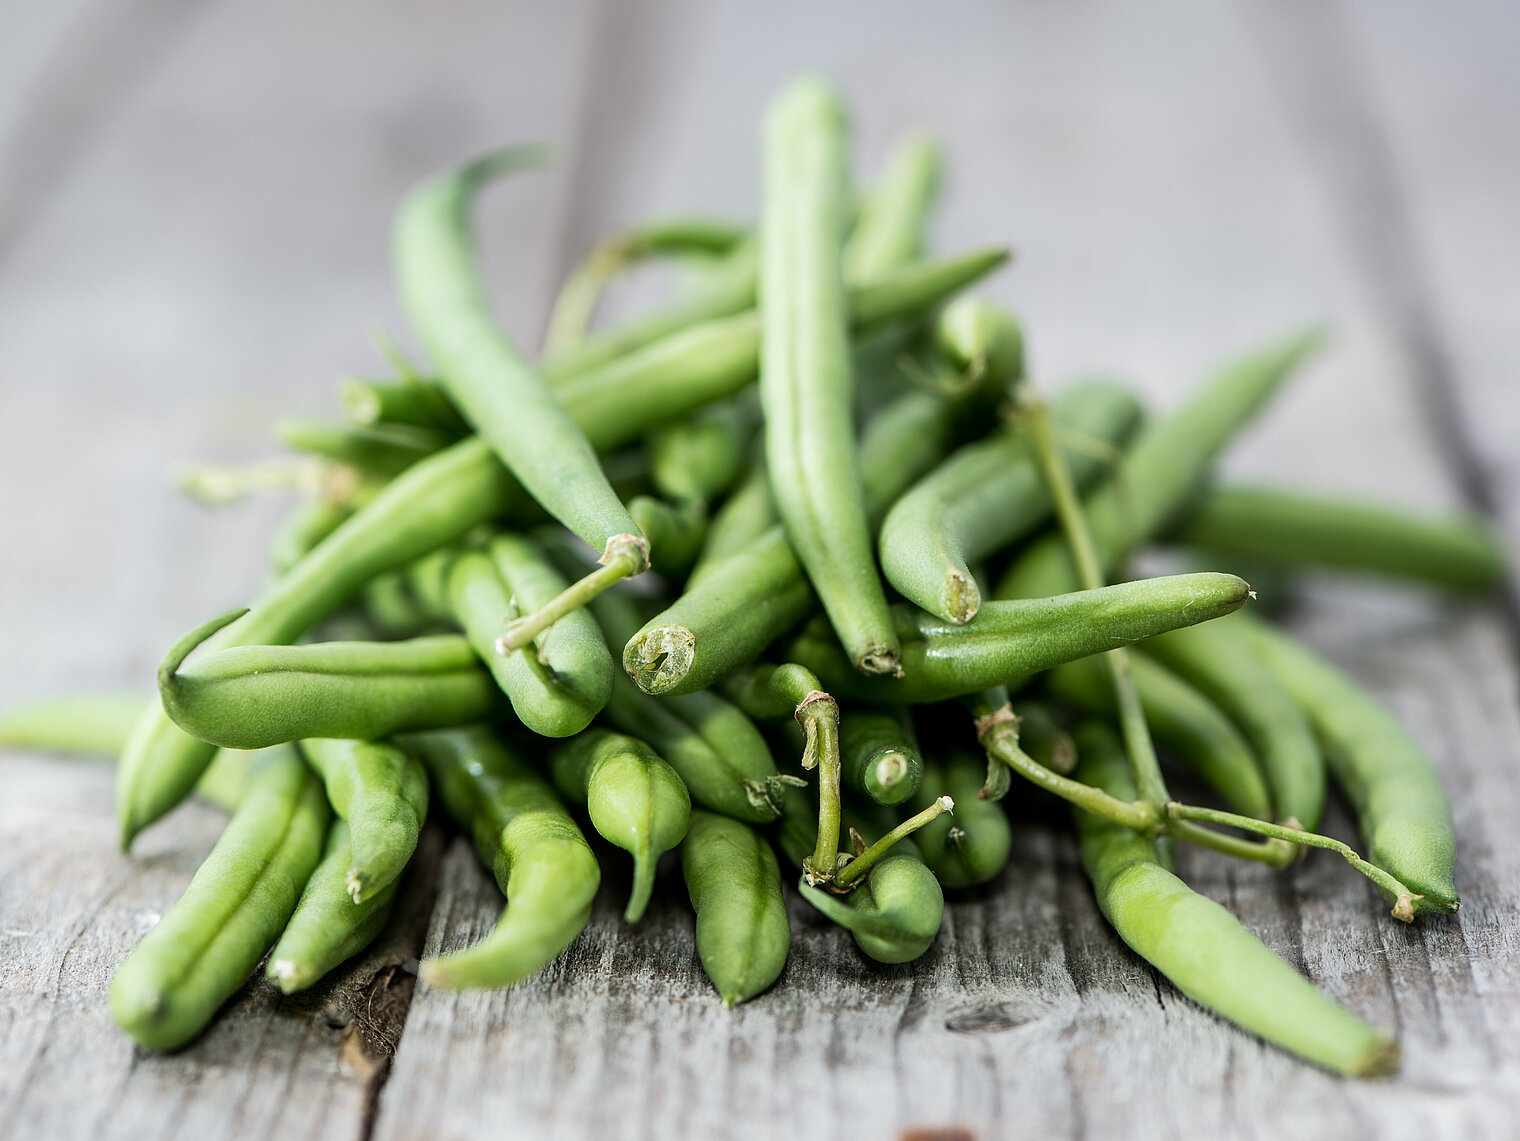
column 428, row 506
column 209, row 942
column 617, row 402
column 226, row 778
column 988, row 494
column 383, row 795
column 744, row 516
column 250, row 697
column 1202, row 948
column 1401, row 807
column 890, row 229
column 1015, row 639
column 390, row 607
column 1185, row 721
column 328, row 927
column 495, row 390
column 878, row 754
column 575, row 306
column 1457, row 552
column 411, row 400
column 564, row 679
column 1220, row 661
column 381, row 449
column 976, row 336
column 312, row 520
column 634, row 798
column 732, row 290
column 1042, row 736
column 541, row 861
column 735, row 886
column 91, row 723
column 697, row 457
column 806, row 384
column 1160, row 471
column 740, row 605
column 678, row 529
column 895, row 914
column 972, row 846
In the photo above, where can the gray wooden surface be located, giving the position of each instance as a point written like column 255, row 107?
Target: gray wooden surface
column 193, row 213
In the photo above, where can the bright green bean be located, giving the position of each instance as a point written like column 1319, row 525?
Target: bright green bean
column 735, row 887
column 411, row 400
column 91, row 723
column 1013, row 640
column 742, row 518
column 972, row 845
column 697, row 457
column 249, row 697
column 679, row 529
column 390, row 607
column 895, row 913
column 541, row 861
column 1219, row 660
column 1161, row 470
column 1401, row 807
column 1457, row 552
column 311, row 521
column 208, row 943
column 634, row 798
column 383, row 795
column 890, row 229
column 328, row 927
column 988, row 494
column 878, row 754
column 1202, row 948
column 381, row 449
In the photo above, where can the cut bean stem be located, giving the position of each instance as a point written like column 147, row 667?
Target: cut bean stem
column 625, row 555
column 851, row 873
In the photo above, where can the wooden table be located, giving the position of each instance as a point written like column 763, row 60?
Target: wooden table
column 194, row 200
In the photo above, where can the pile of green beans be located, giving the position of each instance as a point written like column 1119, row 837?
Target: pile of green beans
column 825, row 457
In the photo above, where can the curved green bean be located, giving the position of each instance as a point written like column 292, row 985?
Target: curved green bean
column 208, row 943
column 520, row 829
column 735, row 887
column 634, row 798
column 878, row 754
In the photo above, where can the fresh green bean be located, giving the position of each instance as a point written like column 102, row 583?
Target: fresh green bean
column 1042, row 736
column 250, row 697
column 541, row 861
column 1161, row 470
column 976, row 336
column 1457, row 552
column 988, row 494
column 744, row 516
column 226, row 777
column 972, row 846
column 209, row 942
column 806, row 383
column 634, row 798
column 564, row 679
column 383, row 795
column 427, row 506
column 381, row 449
column 1401, row 807
column 679, row 529
column 91, row 723
column 1220, row 661
column 328, row 927
column 390, row 607
column 1015, row 639
column 895, row 913
column 890, row 229
column 697, row 457
column 1185, row 721
column 411, row 400
column 313, row 519
column 1202, row 948
column 735, row 886
column 878, row 754
column 495, row 390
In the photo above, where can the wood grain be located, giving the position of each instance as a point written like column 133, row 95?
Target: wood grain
column 1182, row 179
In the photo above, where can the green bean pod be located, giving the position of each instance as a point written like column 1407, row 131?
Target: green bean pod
column 1400, row 804
column 311, row 521
column 1202, row 948
column 1220, row 661
column 96, row 724
column 412, row 400
column 1185, row 721
column 976, row 336
column 226, row 778
column 383, row 795
column 210, row 941
column 428, row 506
column 878, row 754
column 970, row 846
column 390, row 607
column 634, row 798
column 895, row 914
column 697, row 457
column 1291, row 528
column 541, row 861
column 806, row 383
column 1042, row 736
column 1015, row 639
column 678, row 529
column 381, row 449
column 743, row 517
column 1161, row 470
column 250, row 697
column 735, row 887
column 562, row 681
column 328, row 926
column 495, row 390
column 988, row 494
column 889, row 231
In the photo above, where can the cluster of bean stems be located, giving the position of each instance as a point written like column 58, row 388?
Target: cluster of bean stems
column 442, row 544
